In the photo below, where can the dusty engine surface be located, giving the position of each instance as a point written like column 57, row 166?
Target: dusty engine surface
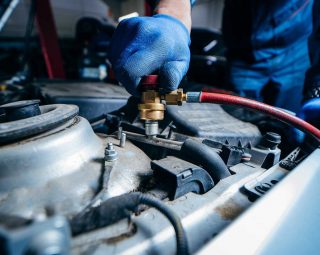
column 57, row 174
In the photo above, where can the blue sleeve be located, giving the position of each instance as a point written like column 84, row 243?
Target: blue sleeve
column 312, row 81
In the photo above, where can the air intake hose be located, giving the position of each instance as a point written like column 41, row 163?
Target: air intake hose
column 200, row 154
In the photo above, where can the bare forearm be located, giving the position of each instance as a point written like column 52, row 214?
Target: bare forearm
column 179, row 9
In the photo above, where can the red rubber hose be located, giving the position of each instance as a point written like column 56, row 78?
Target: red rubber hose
column 281, row 115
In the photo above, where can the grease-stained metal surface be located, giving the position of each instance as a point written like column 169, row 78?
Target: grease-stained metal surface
column 230, row 210
column 203, row 216
column 93, row 180
column 39, row 174
column 284, row 221
column 64, row 171
column 60, row 171
column 130, row 169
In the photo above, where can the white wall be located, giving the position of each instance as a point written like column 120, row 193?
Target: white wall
column 205, row 13
column 66, row 13
column 129, row 6
column 208, row 14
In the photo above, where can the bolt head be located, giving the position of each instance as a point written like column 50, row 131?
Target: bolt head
column 110, row 153
column 110, row 146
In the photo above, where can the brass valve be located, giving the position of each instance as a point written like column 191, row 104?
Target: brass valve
column 175, row 97
column 153, row 103
column 151, row 107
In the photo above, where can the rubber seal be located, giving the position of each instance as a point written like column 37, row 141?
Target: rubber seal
column 51, row 116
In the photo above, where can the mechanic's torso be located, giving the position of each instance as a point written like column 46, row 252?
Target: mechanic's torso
column 262, row 29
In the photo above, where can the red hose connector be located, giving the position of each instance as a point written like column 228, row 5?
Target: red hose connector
column 281, row 115
column 150, row 82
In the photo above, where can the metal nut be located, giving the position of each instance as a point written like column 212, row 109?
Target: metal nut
column 110, row 153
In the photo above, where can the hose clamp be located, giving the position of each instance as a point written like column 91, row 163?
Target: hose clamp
column 193, row 97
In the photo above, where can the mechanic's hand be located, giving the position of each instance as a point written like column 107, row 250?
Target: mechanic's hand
column 143, row 45
column 310, row 112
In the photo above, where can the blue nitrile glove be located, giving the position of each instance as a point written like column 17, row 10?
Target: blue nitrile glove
column 310, row 112
column 144, row 45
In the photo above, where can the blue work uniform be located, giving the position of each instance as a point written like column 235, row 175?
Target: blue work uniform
column 312, row 82
column 267, row 44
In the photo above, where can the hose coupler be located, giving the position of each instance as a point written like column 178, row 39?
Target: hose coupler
column 153, row 103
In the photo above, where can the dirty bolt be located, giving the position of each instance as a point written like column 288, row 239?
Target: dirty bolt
column 270, row 140
column 110, row 153
column 110, row 146
column 119, row 132
column 123, row 139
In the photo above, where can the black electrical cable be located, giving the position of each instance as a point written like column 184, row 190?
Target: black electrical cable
column 121, row 207
column 181, row 239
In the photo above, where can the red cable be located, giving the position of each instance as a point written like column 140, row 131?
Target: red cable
column 288, row 118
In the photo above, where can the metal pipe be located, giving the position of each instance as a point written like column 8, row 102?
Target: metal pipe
column 164, row 143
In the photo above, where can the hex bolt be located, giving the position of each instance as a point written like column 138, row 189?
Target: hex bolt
column 110, row 153
column 123, row 140
column 270, row 140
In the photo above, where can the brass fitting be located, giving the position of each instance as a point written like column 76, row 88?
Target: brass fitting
column 151, row 107
column 175, row 97
column 153, row 104
column 3, row 87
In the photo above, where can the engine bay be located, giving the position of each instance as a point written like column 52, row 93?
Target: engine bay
column 64, row 182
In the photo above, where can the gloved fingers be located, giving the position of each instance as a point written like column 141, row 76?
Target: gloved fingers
column 311, row 111
column 128, row 82
column 139, row 64
column 144, row 62
column 311, row 103
column 141, row 46
column 172, row 73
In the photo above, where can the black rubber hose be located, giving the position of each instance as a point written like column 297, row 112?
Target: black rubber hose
column 200, row 154
column 120, row 207
column 181, row 238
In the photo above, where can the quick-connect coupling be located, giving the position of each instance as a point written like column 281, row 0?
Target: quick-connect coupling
column 153, row 103
column 151, row 107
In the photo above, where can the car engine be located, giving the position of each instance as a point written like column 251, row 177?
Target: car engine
column 65, row 183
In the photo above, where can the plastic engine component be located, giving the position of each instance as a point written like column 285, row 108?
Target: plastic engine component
column 181, row 177
column 211, row 121
column 93, row 99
